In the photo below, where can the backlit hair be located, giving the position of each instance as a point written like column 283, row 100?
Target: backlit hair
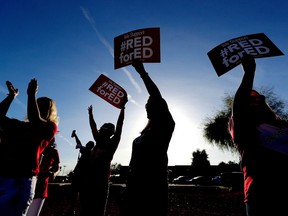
column 48, row 109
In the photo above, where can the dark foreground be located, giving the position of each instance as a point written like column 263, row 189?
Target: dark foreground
column 184, row 201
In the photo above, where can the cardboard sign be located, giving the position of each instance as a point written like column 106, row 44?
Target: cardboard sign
column 228, row 55
column 109, row 91
column 143, row 44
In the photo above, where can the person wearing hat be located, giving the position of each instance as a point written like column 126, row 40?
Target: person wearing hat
column 261, row 137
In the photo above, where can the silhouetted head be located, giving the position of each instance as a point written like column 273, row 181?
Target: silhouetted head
column 47, row 108
column 257, row 100
column 261, row 111
column 107, row 129
column 90, row 145
column 154, row 107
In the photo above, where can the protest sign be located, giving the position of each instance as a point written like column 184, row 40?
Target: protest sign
column 108, row 90
column 228, row 55
column 143, row 44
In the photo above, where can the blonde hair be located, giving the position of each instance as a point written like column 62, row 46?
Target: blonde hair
column 48, row 109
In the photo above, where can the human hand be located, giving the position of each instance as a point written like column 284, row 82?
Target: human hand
column 124, row 101
column 12, row 91
column 73, row 133
column 32, row 86
column 248, row 63
column 90, row 109
column 139, row 67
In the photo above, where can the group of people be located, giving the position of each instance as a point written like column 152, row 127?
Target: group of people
column 90, row 181
column 29, row 157
column 258, row 133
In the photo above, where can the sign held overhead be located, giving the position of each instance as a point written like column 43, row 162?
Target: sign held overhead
column 108, row 90
column 143, row 44
column 228, row 55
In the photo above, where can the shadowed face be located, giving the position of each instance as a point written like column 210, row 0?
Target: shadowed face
column 156, row 108
column 258, row 102
column 151, row 108
column 260, row 109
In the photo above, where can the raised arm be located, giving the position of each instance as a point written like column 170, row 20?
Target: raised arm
column 244, row 90
column 33, row 112
column 5, row 104
column 78, row 142
column 92, row 123
column 120, row 120
column 150, row 85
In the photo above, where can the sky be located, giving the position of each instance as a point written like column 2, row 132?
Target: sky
column 67, row 44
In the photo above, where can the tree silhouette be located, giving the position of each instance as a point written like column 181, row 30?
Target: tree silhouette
column 200, row 163
column 215, row 128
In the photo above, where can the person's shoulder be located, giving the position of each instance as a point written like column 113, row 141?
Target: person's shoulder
column 52, row 125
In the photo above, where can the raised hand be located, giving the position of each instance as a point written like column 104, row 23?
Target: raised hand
column 12, row 91
column 125, row 100
column 248, row 63
column 32, row 86
column 139, row 67
column 90, row 109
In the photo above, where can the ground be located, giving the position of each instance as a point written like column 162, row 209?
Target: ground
column 184, row 201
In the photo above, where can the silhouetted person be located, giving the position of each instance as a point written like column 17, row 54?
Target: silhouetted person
column 49, row 167
column 261, row 138
column 82, row 167
column 22, row 143
column 147, row 184
column 93, row 198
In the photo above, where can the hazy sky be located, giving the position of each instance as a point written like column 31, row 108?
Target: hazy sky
column 67, row 44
